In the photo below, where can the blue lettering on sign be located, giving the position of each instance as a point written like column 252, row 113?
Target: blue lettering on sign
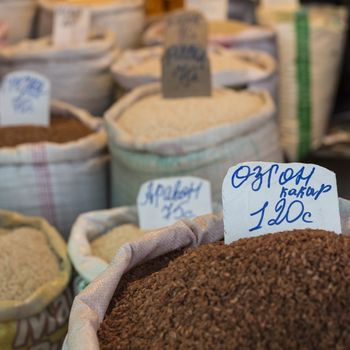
column 27, row 89
column 172, row 199
column 295, row 186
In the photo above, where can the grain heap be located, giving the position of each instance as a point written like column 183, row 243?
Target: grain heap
column 220, row 60
column 106, row 246
column 154, row 118
column 60, row 130
column 282, row 291
column 26, row 263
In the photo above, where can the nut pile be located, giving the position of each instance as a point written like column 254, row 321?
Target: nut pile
column 61, row 130
column 282, row 291
column 106, row 246
column 26, row 263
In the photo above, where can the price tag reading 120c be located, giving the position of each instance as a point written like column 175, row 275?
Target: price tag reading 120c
column 261, row 198
column 163, row 202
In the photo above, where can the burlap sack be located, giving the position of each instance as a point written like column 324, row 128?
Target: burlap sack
column 90, row 306
column 57, row 181
column 207, row 154
column 40, row 321
column 79, row 74
column 260, row 74
column 18, row 16
column 241, row 36
column 310, row 43
column 125, row 18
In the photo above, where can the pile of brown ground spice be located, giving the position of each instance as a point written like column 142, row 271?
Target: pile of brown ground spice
column 282, row 291
column 61, row 130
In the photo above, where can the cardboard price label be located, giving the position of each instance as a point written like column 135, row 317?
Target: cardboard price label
column 71, row 24
column 185, row 64
column 25, row 99
column 163, row 202
column 261, row 198
column 281, row 3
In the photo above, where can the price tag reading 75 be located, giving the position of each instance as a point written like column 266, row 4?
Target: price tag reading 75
column 261, row 198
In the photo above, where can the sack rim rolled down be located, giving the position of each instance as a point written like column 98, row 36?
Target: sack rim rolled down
column 45, row 294
column 78, row 150
column 94, row 305
column 185, row 144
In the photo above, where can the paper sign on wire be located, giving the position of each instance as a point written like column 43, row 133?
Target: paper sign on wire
column 261, row 198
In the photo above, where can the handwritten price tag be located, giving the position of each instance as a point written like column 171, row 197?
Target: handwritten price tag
column 185, row 64
column 25, row 99
column 71, row 24
column 165, row 201
column 281, row 3
column 261, row 198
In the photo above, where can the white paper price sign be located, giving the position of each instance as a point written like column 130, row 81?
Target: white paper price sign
column 25, row 99
column 71, row 24
column 163, row 202
column 212, row 9
column 261, row 198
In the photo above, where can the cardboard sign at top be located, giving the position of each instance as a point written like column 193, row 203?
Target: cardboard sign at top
column 185, row 64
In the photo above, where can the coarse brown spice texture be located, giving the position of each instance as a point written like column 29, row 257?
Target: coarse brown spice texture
column 61, row 130
column 287, row 290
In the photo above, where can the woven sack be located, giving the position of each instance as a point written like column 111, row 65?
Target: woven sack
column 90, row 306
column 207, row 154
column 79, row 74
column 40, row 321
column 57, row 181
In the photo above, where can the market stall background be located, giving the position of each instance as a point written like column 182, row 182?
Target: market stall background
column 280, row 93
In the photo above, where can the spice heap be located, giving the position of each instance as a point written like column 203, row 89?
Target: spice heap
column 106, row 246
column 61, row 130
column 283, row 291
column 154, row 118
column 26, row 263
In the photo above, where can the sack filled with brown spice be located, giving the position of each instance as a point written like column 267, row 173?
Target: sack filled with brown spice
column 56, row 172
column 34, row 295
column 286, row 290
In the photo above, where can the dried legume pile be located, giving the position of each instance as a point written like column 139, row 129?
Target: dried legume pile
column 282, row 291
column 106, row 246
column 153, row 117
column 61, row 130
column 26, row 263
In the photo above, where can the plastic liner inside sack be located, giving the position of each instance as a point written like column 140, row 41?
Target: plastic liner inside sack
column 90, row 306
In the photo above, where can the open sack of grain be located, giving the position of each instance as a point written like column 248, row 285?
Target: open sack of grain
column 79, row 74
column 151, row 137
column 19, row 17
column 244, row 68
column 97, row 236
column 310, row 45
column 125, row 18
column 231, row 34
column 56, row 172
column 176, row 289
column 34, row 296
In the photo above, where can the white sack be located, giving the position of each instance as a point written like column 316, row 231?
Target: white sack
column 19, row 17
column 79, row 74
column 125, row 18
column 57, row 181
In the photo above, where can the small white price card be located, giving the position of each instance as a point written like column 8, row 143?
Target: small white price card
column 71, row 24
column 25, row 99
column 261, row 198
column 212, row 9
column 163, row 202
